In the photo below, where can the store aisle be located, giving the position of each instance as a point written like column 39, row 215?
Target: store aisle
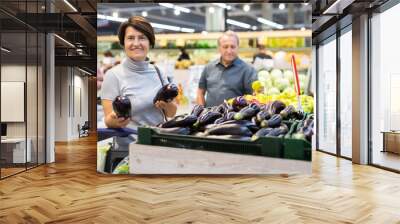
column 71, row 191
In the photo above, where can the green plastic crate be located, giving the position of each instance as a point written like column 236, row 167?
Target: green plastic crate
column 265, row 146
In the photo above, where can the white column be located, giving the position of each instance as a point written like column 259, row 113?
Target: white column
column 50, row 98
column 360, row 90
column 290, row 14
column 266, row 13
column 215, row 21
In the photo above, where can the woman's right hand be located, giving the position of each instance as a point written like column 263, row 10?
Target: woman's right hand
column 113, row 121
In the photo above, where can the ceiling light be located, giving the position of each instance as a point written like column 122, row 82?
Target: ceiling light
column 167, row 5
column 70, row 5
column 144, row 14
column 246, row 8
column 237, row 23
column 172, row 6
column 182, row 9
column 270, row 23
column 254, row 28
column 223, row 5
column 112, row 18
column 187, row 30
column 211, row 10
column 155, row 25
column 64, row 40
column 115, row 14
column 281, row 6
column 177, row 12
column 5, row 49
column 166, row 27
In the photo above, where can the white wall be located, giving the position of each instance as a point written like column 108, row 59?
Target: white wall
column 34, row 125
column 69, row 85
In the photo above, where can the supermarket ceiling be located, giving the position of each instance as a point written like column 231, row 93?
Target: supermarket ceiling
column 329, row 16
column 239, row 16
column 73, row 22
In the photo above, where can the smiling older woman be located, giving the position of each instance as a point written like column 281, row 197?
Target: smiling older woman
column 135, row 78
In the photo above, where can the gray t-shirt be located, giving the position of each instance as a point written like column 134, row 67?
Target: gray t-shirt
column 140, row 82
column 222, row 82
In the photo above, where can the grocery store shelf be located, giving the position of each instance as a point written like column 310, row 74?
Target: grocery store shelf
column 240, row 49
column 216, row 35
column 249, row 49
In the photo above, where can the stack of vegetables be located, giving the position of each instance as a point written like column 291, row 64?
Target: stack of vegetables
column 279, row 85
column 242, row 119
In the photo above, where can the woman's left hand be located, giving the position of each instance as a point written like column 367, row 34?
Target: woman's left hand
column 168, row 108
column 161, row 104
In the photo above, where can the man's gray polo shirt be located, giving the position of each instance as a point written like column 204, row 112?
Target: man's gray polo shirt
column 222, row 82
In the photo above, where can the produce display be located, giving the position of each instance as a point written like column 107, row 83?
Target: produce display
column 242, row 119
column 279, row 85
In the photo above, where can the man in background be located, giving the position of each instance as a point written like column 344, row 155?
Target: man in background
column 226, row 77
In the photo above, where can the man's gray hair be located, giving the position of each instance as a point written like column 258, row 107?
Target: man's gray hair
column 229, row 33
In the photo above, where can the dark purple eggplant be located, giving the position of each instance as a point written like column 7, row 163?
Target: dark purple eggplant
column 261, row 133
column 205, row 110
column 230, row 116
column 255, row 106
column 175, row 130
column 233, row 137
column 220, row 109
column 167, row 93
column 227, row 107
column 207, row 118
column 279, row 131
column 266, row 107
column 273, row 122
column 276, row 107
column 288, row 112
column 239, row 103
column 122, row 106
column 229, row 129
column 250, row 125
column 219, row 120
column 245, row 113
column 263, row 115
column 197, row 109
column 180, row 121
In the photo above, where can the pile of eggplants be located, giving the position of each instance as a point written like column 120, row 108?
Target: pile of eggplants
column 242, row 120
